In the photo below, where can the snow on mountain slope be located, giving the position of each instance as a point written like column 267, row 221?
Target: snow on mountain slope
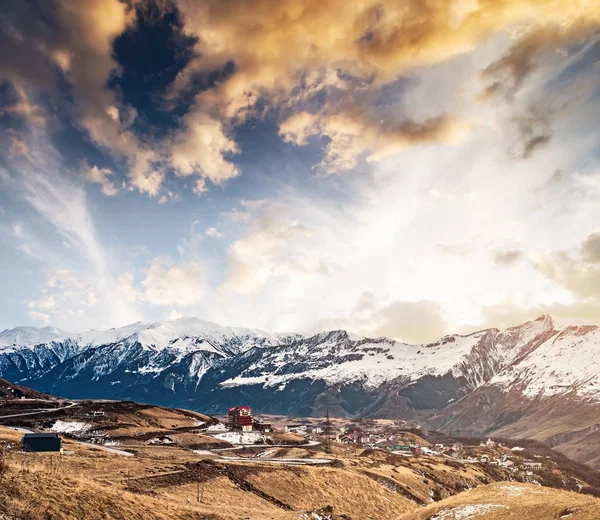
column 184, row 334
column 143, row 349
column 338, row 357
column 191, row 359
column 568, row 360
column 22, row 336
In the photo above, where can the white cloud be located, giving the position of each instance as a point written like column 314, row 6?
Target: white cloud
column 213, row 232
column 170, row 283
column 41, row 318
column 201, row 150
column 174, row 315
column 102, row 176
column 45, row 302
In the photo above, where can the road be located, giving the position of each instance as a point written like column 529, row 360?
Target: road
column 263, row 446
column 283, row 462
column 104, row 448
column 37, row 412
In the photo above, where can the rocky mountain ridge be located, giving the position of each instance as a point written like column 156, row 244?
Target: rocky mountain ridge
column 480, row 383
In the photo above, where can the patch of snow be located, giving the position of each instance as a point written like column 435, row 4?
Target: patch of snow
column 242, row 437
column 467, row 511
column 219, row 427
column 70, row 427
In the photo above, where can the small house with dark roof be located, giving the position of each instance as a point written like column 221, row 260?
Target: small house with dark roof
column 37, row 442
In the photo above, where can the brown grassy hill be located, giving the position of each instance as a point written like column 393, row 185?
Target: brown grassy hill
column 12, row 391
column 510, row 501
column 170, row 482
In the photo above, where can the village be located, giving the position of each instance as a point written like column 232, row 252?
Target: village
column 262, row 466
column 241, row 428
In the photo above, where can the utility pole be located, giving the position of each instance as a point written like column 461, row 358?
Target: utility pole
column 327, row 431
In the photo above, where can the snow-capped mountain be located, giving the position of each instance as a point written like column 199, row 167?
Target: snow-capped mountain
column 541, row 357
column 473, row 384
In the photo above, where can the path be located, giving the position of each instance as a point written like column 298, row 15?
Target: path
column 264, row 446
column 284, row 462
column 45, row 410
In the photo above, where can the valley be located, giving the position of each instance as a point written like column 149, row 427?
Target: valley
column 128, row 460
column 537, row 380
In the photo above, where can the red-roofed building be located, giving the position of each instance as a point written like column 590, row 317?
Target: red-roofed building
column 240, row 418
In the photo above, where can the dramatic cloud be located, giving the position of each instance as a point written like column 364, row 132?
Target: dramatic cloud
column 373, row 42
column 468, row 131
column 534, row 131
column 269, row 249
column 352, row 135
column 576, row 271
column 102, row 176
column 202, row 149
column 168, row 283
column 590, row 248
column 410, row 322
column 508, row 74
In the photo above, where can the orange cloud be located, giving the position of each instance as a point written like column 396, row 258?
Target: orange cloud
column 282, row 50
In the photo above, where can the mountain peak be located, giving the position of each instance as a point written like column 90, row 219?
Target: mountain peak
column 559, row 322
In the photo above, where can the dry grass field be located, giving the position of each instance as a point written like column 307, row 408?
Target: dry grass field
column 172, row 474
column 510, row 501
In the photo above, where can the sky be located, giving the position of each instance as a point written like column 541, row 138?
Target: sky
column 399, row 168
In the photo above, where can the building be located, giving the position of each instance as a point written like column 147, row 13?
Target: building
column 400, row 447
column 33, row 442
column 532, row 465
column 262, row 426
column 240, row 418
column 295, row 428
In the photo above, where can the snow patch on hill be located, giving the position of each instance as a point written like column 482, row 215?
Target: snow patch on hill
column 70, row 427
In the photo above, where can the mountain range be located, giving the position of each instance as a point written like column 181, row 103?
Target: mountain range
column 537, row 380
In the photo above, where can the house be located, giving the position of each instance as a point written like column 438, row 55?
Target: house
column 490, row 443
column 295, row 428
column 262, row 426
column 399, row 447
column 529, row 464
column 36, row 442
column 96, row 413
column 240, row 418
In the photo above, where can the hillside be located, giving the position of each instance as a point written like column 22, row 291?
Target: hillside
column 120, row 472
column 511, row 501
column 538, row 380
column 10, row 391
